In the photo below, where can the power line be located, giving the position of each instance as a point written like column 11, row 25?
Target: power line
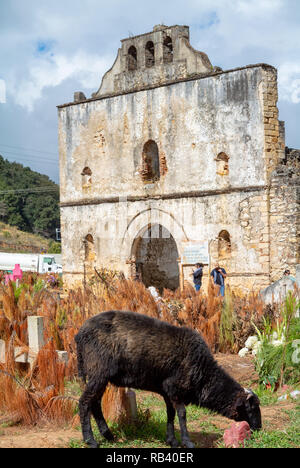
column 46, row 188
column 26, row 149
column 37, row 158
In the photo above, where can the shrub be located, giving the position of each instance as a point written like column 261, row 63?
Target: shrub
column 277, row 360
column 54, row 247
column 228, row 323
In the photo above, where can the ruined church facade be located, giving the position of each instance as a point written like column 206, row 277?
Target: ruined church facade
column 174, row 161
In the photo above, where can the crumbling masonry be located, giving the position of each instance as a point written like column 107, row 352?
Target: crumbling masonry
column 174, row 160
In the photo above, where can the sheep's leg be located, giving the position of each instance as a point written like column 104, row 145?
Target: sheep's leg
column 185, row 438
column 99, row 418
column 85, row 409
column 171, row 439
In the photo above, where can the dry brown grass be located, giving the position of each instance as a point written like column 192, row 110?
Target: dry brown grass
column 38, row 394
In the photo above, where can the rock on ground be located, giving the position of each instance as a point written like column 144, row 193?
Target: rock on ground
column 237, row 433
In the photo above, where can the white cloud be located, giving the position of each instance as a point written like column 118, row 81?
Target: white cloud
column 289, row 82
column 85, row 36
column 258, row 7
column 51, row 70
column 2, row 92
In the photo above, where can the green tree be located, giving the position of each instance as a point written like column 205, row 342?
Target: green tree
column 25, row 201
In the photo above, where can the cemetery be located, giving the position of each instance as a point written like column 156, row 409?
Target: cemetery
column 40, row 387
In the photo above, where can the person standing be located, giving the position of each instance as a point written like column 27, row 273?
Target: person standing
column 287, row 273
column 197, row 276
column 218, row 275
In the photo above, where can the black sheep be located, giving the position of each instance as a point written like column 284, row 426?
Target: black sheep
column 133, row 350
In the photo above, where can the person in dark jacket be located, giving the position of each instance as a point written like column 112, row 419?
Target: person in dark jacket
column 197, row 276
column 218, row 275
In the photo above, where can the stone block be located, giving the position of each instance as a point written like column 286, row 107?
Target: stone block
column 237, row 433
column 35, row 333
column 79, row 96
column 20, row 356
column 63, row 356
column 270, row 132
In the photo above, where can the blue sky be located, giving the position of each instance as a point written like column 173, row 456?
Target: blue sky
column 51, row 49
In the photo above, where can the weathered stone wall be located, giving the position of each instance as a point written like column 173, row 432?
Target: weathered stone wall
column 115, row 228
column 273, row 130
column 191, row 122
column 279, row 246
column 218, row 142
column 284, row 220
column 182, row 61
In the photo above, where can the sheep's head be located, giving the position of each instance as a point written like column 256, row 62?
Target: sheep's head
column 246, row 408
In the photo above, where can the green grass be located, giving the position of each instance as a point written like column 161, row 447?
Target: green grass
column 72, row 388
column 266, row 397
column 288, row 438
column 150, row 431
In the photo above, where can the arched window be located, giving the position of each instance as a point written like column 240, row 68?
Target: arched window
column 86, row 178
column 89, row 248
column 168, row 50
column 149, row 54
column 224, row 245
column 150, row 162
column 132, row 58
column 222, row 164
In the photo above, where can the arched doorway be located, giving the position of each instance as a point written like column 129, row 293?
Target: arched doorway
column 156, row 257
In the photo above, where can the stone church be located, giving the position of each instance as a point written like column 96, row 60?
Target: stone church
column 175, row 161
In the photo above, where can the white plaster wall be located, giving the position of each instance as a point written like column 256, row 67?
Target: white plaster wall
column 114, row 228
column 190, row 121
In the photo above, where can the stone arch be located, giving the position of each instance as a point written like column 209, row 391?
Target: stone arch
column 151, row 216
column 149, row 54
column 168, row 50
column 136, row 229
column 224, row 245
column 132, row 58
column 150, row 171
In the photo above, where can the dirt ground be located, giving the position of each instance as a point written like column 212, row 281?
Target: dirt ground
column 241, row 369
column 42, row 437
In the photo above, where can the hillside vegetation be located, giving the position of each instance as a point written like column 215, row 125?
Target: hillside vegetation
column 28, row 199
column 14, row 240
